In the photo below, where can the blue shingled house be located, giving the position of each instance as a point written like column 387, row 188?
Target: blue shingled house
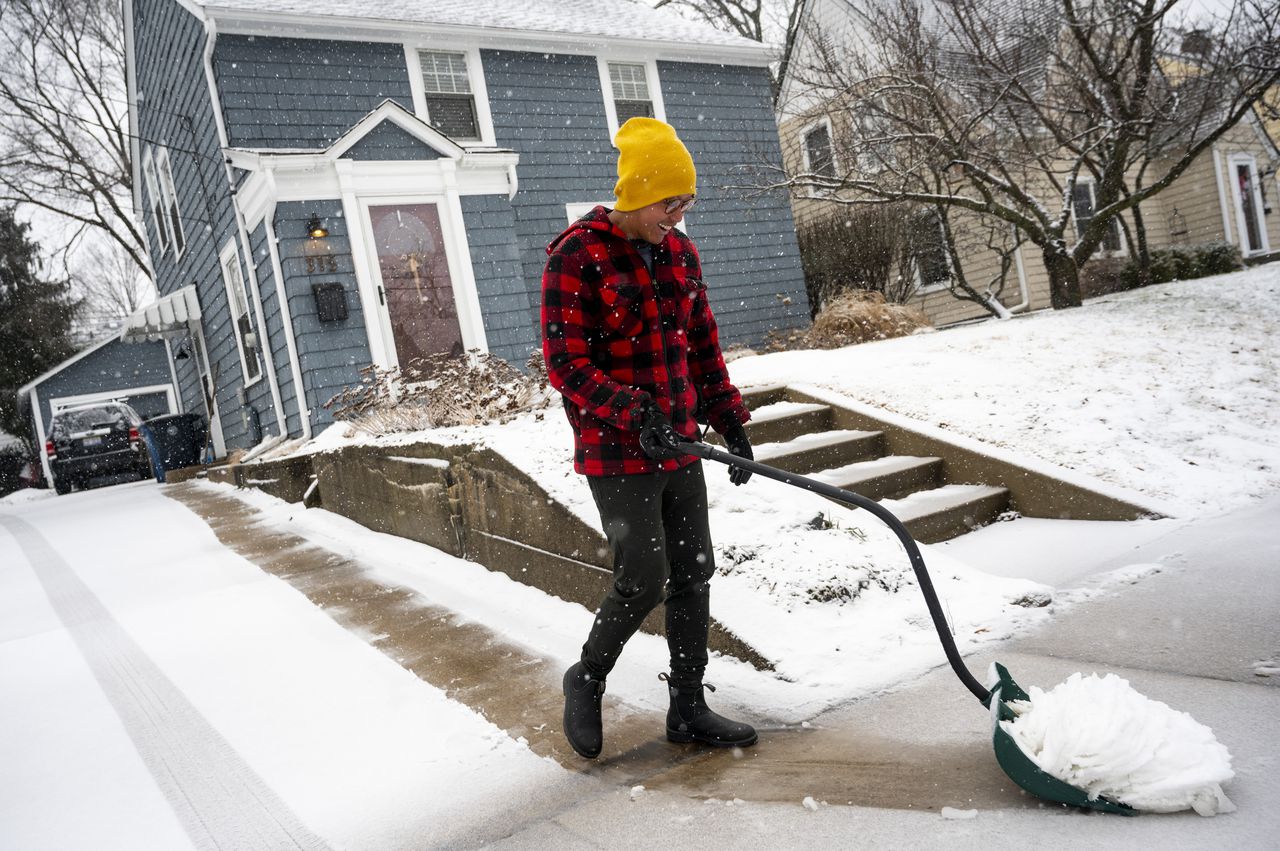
column 329, row 186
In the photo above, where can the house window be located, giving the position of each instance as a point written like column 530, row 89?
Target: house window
column 446, row 86
column 1083, row 205
column 241, row 318
column 929, row 250
column 157, row 201
column 875, row 150
column 630, row 86
column 630, row 90
column 819, row 155
column 170, row 194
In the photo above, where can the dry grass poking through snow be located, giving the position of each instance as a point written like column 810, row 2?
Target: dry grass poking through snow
column 858, row 316
column 440, row 391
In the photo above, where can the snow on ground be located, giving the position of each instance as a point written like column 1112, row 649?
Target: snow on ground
column 362, row 750
column 25, row 495
column 837, row 610
column 1172, row 391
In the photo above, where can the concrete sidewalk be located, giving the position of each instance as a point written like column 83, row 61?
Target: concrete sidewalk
column 1197, row 635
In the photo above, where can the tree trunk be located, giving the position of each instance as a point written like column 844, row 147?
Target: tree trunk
column 1144, row 250
column 1064, row 278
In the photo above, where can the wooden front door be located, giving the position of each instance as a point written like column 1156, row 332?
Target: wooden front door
column 415, row 280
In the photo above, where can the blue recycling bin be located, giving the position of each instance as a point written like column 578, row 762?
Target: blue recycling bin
column 177, row 441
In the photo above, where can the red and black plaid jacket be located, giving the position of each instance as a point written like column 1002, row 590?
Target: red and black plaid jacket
column 614, row 336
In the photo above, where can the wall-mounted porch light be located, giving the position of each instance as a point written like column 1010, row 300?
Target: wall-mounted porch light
column 315, row 228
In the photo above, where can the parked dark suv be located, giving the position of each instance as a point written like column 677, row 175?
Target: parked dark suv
column 98, row 440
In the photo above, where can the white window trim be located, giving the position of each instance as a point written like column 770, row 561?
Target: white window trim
column 153, row 190
column 1123, row 250
column 859, row 129
column 938, row 286
column 169, row 190
column 475, row 73
column 228, row 253
column 1255, row 181
column 606, row 88
column 824, row 121
column 577, row 209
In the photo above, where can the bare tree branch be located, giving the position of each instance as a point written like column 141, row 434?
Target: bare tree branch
column 1002, row 109
column 64, row 142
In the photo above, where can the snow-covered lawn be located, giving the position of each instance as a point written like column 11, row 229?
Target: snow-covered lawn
column 1172, row 391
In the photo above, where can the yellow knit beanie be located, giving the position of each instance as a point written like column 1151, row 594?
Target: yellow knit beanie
column 653, row 164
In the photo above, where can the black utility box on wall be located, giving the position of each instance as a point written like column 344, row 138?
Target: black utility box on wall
column 331, row 301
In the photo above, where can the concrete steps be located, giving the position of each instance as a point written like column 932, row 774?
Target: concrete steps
column 802, row 438
column 949, row 511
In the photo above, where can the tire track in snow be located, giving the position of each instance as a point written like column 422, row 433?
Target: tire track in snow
column 218, row 798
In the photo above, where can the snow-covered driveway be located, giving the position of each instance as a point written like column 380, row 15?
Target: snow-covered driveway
column 163, row 692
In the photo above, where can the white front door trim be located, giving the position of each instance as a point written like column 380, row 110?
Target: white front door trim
column 382, row 347
column 1255, row 187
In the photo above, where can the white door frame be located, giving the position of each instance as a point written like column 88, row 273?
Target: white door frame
column 382, row 346
column 1242, row 228
column 203, row 368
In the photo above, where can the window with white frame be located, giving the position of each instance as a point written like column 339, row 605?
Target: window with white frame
column 157, row 201
column 874, row 147
column 241, row 316
column 577, row 209
column 631, row 90
column 819, row 153
column 929, row 250
column 629, row 83
column 447, row 90
column 170, row 193
column 1083, row 205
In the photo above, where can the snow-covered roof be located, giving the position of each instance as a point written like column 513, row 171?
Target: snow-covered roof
column 521, row 20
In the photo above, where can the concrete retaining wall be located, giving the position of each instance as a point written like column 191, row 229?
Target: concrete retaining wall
column 471, row 503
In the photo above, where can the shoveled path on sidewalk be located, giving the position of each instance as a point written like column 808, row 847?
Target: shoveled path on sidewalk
column 1199, row 634
column 519, row 691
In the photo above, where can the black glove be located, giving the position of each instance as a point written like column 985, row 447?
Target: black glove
column 736, row 439
column 658, row 438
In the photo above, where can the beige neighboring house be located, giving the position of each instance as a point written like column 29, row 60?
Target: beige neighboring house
column 1231, row 193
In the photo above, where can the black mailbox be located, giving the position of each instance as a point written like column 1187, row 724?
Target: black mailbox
column 331, row 301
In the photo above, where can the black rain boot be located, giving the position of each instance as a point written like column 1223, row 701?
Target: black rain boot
column 582, row 727
column 689, row 719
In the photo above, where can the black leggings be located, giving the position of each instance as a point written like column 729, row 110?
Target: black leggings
column 657, row 526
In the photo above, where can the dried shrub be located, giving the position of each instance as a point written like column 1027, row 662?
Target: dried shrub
column 857, row 249
column 442, row 390
column 857, row 316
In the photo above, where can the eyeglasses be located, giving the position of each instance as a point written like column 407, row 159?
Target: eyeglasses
column 679, row 205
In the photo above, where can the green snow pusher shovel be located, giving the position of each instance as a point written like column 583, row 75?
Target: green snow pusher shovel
column 1020, row 768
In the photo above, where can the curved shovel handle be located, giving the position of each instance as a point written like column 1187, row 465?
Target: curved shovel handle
column 710, row 453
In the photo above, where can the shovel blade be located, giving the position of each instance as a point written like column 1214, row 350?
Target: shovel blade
column 1020, row 767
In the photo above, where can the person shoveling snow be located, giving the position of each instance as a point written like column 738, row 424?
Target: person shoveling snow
column 1104, row 737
